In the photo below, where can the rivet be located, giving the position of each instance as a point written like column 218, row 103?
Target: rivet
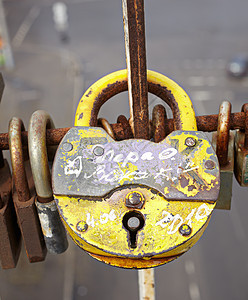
column 67, row 147
column 209, row 164
column 82, row 226
column 134, row 198
column 190, row 142
column 98, row 151
column 185, row 230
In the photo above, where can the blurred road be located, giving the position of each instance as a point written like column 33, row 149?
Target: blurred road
column 189, row 41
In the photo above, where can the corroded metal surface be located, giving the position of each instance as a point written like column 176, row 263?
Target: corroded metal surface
column 171, row 167
column 223, row 132
column 52, row 228
column 134, row 28
column 241, row 159
column 39, row 121
column 241, row 152
column 129, row 263
column 245, row 110
column 163, row 212
column 16, row 154
column 107, row 127
column 24, row 202
column 226, row 174
column 10, row 237
column 204, row 123
column 116, row 82
column 126, row 128
column 158, row 238
column 158, row 123
column 92, row 181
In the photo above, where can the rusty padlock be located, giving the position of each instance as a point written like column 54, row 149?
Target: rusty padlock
column 10, row 236
column 241, row 152
column 135, row 203
column 52, row 227
column 223, row 143
column 24, row 196
column 159, row 116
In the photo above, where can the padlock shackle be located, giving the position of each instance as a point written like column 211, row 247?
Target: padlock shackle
column 117, row 82
column 39, row 122
column 223, row 130
column 17, row 159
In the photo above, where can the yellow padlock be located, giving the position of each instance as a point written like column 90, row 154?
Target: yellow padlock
column 135, row 203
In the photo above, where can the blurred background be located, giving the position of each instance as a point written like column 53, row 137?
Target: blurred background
column 190, row 41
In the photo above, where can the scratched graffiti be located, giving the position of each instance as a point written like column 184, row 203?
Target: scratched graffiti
column 172, row 222
column 116, row 167
column 97, row 168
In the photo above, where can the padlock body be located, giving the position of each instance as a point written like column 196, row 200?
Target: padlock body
column 93, row 176
column 10, row 236
column 226, row 175
column 241, row 159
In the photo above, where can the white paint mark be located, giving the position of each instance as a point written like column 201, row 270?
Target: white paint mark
column 190, row 169
column 201, row 95
column 190, row 216
column 167, row 217
column 167, row 153
column 162, row 172
column 74, row 166
column 147, row 156
column 194, row 291
column 46, row 229
column 175, row 224
column 189, row 267
column 131, row 157
column 25, row 26
column 202, row 212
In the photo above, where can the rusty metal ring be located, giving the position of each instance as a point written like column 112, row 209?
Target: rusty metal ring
column 223, row 132
column 158, row 123
column 126, row 126
column 107, row 127
column 17, row 159
column 115, row 83
column 39, row 122
column 245, row 110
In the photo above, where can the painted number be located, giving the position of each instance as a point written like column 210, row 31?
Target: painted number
column 172, row 223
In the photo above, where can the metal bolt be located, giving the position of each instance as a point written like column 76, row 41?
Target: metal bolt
column 82, row 226
column 134, row 198
column 190, row 142
column 67, row 147
column 185, row 230
column 209, row 164
column 98, row 151
column 133, row 223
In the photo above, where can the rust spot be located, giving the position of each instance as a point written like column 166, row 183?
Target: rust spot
column 80, row 116
column 90, row 92
column 184, row 182
column 191, row 188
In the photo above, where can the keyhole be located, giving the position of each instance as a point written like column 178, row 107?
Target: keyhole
column 133, row 221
